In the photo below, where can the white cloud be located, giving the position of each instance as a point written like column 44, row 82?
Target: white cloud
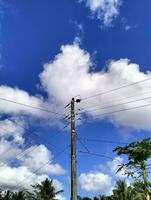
column 21, row 177
column 21, row 96
column 36, row 158
column 104, row 180
column 57, row 184
column 35, row 163
column 16, row 178
column 70, row 72
column 26, row 174
column 95, row 182
column 105, row 10
column 60, row 197
column 14, row 129
column 113, row 167
column 127, row 27
column 8, row 151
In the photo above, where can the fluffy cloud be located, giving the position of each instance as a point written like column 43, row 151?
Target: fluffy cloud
column 21, row 177
column 95, row 182
column 34, row 163
column 16, row 178
column 26, row 174
column 104, row 179
column 36, row 158
column 70, row 72
column 57, row 184
column 14, row 129
column 60, row 197
column 113, row 167
column 21, row 96
column 105, row 10
column 8, row 151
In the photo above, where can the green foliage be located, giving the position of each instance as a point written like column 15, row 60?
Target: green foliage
column 138, row 164
column 43, row 191
column 46, row 191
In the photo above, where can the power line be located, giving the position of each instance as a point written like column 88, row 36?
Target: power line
column 119, row 104
column 33, row 132
column 96, row 154
column 115, row 89
column 32, row 107
column 89, row 152
column 122, row 110
column 85, row 147
column 102, row 141
column 119, row 100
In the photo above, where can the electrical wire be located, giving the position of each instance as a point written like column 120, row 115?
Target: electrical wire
column 122, row 110
column 85, row 147
column 96, row 154
column 89, row 152
column 33, row 132
column 118, row 100
column 102, row 141
column 115, row 89
column 116, row 105
column 32, row 107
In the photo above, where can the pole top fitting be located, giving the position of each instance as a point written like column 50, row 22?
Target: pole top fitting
column 78, row 100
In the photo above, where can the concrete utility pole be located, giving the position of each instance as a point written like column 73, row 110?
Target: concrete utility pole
column 73, row 154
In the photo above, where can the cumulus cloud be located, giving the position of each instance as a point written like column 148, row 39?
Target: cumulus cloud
column 104, row 10
column 60, row 197
column 8, row 151
column 36, row 158
column 21, row 177
column 26, row 174
column 104, row 179
column 16, row 178
column 21, row 96
column 33, row 163
column 57, row 184
column 95, row 182
column 70, row 72
column 113, row 167
column 14, row 129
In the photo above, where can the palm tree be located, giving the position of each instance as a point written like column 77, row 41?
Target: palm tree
column 122, row 191
column 7, row 195
column 138, row 190
column 19, row 195
column 101, row 197
column 46, row 191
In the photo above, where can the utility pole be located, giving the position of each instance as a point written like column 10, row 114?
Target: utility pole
column 73, row 153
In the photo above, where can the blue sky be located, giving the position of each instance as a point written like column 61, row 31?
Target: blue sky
column 54, row 50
